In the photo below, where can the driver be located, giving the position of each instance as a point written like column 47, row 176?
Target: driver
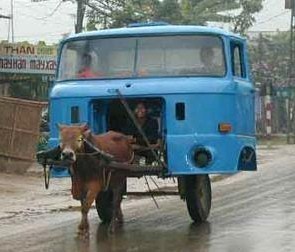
column 86, row 69
column 151, row 129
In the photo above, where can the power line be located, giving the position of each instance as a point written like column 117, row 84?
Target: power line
column 33, row 11
column 54, row 10
column 273, row 17
column 30, row 4
column 32, row 16
column 46, row 16
column 5, row 17
column 44, row 35
column 39, row 19
column 33, row 4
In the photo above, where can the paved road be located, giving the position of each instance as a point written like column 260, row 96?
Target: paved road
column 250, row 212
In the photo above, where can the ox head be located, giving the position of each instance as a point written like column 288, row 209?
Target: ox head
column 71, row 140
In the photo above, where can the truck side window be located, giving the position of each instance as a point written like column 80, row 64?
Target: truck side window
column 237, row 60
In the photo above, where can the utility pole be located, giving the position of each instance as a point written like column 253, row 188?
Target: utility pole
column 7, row 17
column 290, row 4
column 11, row 19
column 80, row 15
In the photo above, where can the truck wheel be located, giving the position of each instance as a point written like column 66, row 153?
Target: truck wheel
column 198, row 196
column 104, row 206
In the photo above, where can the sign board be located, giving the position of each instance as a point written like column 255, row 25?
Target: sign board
column 27, row 58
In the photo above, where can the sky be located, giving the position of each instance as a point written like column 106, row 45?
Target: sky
column 50, row 20
column 46, row 21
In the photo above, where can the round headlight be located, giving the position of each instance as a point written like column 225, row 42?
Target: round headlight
column 202, row 157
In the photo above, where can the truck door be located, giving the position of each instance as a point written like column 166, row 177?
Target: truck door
column 245, row 92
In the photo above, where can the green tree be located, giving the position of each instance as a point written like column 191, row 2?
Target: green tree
column 29, row 86
column 270, row 58
column 245, row 18
column 241, row 14
column 169, row 11
column 198, row 12
column 109, row 13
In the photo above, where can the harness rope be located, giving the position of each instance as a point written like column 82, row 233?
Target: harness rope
column 109, row 156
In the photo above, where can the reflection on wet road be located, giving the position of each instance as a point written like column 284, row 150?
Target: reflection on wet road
column 250, row 212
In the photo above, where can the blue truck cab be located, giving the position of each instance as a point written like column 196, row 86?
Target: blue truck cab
column 196, row 81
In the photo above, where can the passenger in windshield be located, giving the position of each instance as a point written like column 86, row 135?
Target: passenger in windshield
column 208, row 60
column 86, row 69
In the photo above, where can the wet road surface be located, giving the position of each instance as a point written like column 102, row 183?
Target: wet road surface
column 252, row 211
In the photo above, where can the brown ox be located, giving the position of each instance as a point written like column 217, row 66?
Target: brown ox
column 89, row 172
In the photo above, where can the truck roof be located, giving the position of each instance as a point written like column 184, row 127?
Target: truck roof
column 154, row 30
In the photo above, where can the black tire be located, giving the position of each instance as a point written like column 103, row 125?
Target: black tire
column 104, row 206
column 198, row 196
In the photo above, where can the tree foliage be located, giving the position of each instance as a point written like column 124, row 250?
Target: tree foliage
column 270, row 59
column 111, row 13
column 31, row 87
column 200, row 11
column 245, row 18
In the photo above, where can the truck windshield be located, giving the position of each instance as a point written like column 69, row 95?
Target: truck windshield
column 194, row 55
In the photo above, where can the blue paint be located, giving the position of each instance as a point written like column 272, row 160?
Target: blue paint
column 208, row 102
column 154, row 30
